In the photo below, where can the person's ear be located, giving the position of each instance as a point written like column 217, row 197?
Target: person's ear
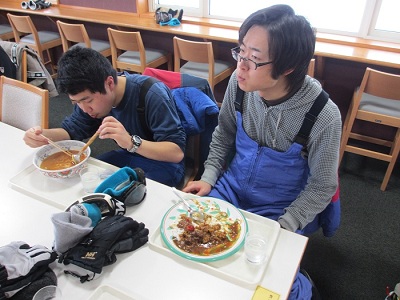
column 286, row 73
column 110, row 83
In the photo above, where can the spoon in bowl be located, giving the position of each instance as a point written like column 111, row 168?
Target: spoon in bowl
column 57, row 146
column 196, row 215
column 77, row 157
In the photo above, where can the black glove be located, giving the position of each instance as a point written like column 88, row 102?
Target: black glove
column 21, row 264
column 97, row 249
column 129, row 241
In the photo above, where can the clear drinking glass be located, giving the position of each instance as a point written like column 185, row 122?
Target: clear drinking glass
column 255, row 248
column 90, row 178
column 50, row 292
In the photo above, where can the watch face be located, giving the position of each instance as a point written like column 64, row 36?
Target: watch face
column 137, row 140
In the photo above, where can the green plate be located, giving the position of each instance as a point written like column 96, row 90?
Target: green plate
column 211, row 206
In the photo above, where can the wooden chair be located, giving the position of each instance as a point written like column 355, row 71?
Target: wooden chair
column 23, row 105
column 200, row 62
column 311, row 68
column 128, row 52
column 6, row 32
column 72, row 34
column 25, row 32
column 377, row 101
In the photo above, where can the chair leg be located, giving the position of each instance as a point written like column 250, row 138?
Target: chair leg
column 344, row 140
column 395, row 153
column 347, row 126
column 50, row 56
column 169, row 63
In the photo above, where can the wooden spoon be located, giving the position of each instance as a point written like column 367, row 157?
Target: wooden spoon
column 77, row 157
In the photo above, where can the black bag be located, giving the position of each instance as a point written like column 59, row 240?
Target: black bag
column 163, row 15
column 7, row 67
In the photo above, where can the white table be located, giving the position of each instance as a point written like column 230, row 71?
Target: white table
column 144, row 273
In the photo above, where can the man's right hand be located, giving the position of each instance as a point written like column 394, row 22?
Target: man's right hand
column 200, row 188
column 33, row 137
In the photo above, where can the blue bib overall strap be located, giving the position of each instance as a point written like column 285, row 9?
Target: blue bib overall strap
column 329, row 219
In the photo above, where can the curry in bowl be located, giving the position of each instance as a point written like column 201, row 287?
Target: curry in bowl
column 60, row 160
column 60, row 165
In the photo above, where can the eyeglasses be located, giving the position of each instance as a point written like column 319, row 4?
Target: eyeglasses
column 239, row 58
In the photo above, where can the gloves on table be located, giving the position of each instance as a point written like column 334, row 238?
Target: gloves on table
column 113, row 234
column 48, row 278
column 79, row 219
column 21, row 264
column 69, row 229
column 127, row 185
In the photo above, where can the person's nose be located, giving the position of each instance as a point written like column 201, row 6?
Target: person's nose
column 86, row 108
column 242, row 63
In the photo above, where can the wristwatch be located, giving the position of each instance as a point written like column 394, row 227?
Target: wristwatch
column 136, row 141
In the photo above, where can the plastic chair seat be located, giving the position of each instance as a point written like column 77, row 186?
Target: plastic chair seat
column 5, row 29
column 201, row 69
column 97, row 45
column 380, row 105
column 6, row 32
column 44, row 37
column 134, row 56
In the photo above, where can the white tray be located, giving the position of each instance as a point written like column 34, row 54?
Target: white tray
column 60, row 193
column 234, row 268
column 106, row 292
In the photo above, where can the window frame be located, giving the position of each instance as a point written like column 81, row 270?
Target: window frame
column 366, row 30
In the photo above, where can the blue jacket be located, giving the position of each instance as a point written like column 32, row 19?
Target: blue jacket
column 195, row 103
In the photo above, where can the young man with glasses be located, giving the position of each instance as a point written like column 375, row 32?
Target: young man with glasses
column 259, row 158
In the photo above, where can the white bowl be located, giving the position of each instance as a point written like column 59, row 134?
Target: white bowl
column 48, row 150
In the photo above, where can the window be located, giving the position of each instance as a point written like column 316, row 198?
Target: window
column 386, row 24
column 374, row 19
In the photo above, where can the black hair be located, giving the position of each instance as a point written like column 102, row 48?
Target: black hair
column 81, row 69
column 291, row 41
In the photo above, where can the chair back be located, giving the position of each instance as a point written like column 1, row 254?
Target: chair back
column 380, row 84
column 72, row 34
column 121, row 41
column 192, row 51
column 200, row 62
column 200, row 52
column 128, row 52
column 23, row 105
column 21, row 26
